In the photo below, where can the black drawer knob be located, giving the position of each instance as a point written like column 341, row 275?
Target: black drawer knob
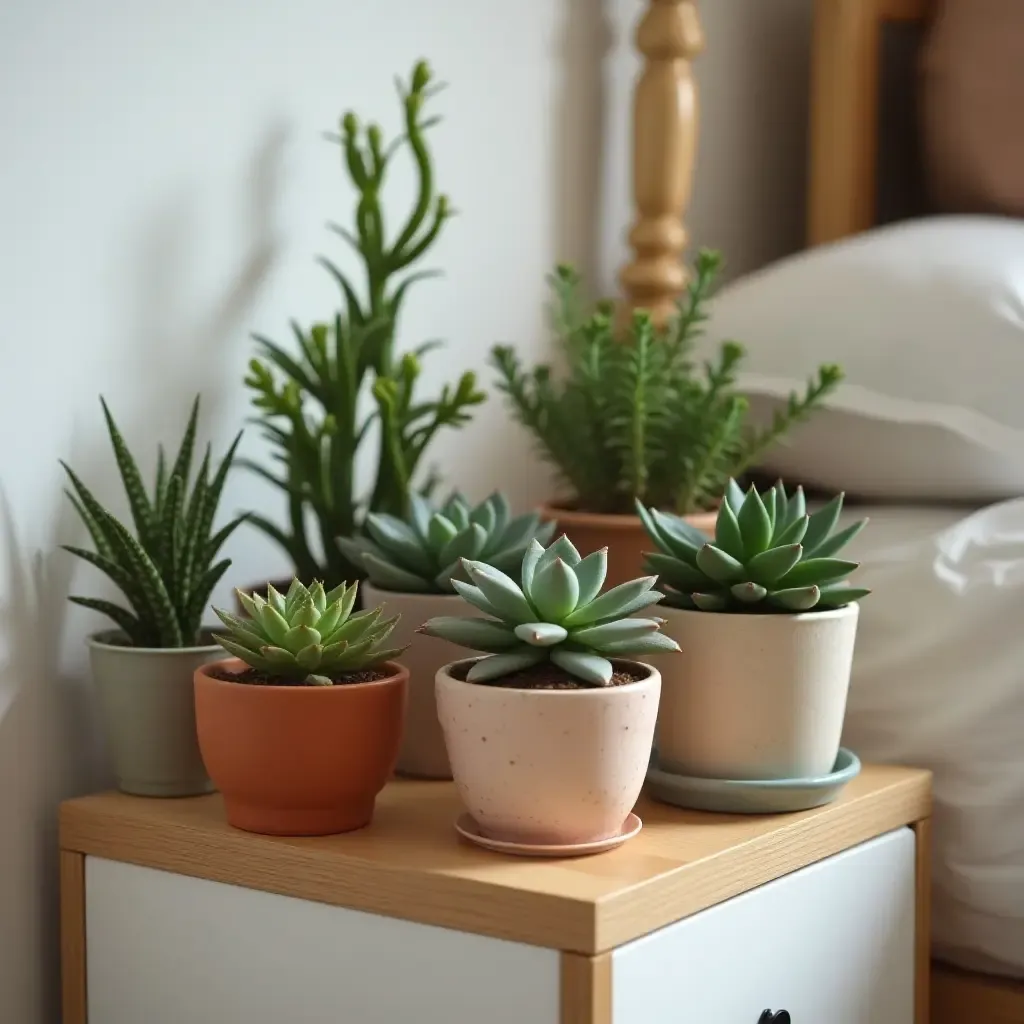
column 767, row 1017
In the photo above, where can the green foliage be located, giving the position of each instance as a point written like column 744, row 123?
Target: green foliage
column 768, row 555
column 307, row 399
column 556, row 614
column 635, row 418
column 423, row 553
column 166, row 568
column 308, row 636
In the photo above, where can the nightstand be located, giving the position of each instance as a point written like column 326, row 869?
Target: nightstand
column 169, row 916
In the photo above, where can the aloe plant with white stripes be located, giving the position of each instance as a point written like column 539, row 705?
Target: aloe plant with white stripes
column 165, row 567
column 557, row 613
column 768, row 555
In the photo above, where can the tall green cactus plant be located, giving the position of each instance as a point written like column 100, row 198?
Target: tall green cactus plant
column 307, row 401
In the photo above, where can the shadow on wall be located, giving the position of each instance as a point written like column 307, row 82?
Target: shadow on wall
column 49, row 749
column 45, row 740
column 578, row 145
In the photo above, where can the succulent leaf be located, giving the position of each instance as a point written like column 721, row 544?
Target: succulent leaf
column 422, row 553
column 558, row 615
column 727, row 533
column 754, row 524
column 719, row 565
column 837, row 541
column 541, row 634
column 769, row 556
column 555, row 590
column 497, row 665
column 501, row 592
column 591, row 668
column 748, row 593
column 307, row 632
column 591, row 574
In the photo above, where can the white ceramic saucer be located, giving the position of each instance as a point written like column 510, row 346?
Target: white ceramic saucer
column 467, row 827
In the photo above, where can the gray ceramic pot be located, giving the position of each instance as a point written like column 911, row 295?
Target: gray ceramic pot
column 147, row 705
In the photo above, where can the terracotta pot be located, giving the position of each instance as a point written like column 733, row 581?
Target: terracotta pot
column 549, row 766
column 623, row 535
column 423, row 753
column 148, row 713
column 755, row 696
column 299, row 760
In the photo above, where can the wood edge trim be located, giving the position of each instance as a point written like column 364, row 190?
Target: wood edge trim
column 74, row 1003
column 539, row 920
column 685, row 892
column 585, row 989
column 843, row 136
column 922, row 920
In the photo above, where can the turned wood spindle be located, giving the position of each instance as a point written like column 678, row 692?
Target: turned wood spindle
column 664, row 143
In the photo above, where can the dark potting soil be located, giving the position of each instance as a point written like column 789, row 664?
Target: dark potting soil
column 255, row 677
column 548, row 676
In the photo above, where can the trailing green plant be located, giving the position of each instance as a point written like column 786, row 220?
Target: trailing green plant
column 768, row 555
column 634, row 418
column 556, row 614
column 165, row 569
column 308, row 399
column 423, row 552
column 308, row 637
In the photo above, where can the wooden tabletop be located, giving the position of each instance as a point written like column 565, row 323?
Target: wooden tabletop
column 411, row 864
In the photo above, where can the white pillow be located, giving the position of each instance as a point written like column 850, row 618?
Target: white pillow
column 927, row 319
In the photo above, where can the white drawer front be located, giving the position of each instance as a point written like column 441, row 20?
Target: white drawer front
column 832, row 944
column 166, row 949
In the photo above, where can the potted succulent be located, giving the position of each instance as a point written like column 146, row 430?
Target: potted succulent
column 411, row 563
column 300, row 729
column 766, row 625
column 309, row 396
column 635, row 419
column 166, row 569
column 550, row 734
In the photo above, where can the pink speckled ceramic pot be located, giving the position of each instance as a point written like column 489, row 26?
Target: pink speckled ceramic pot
column 549, row 766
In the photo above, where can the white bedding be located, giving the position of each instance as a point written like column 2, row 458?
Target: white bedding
column 938, row 682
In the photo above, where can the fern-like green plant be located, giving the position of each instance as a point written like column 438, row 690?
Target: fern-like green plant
column 634, row 417
column 307, row 399
column 166, row 568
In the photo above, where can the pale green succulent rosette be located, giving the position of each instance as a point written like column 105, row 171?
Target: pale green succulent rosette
column 768, row 555
column 557, row 613
column 424, row 552
column 308, row 635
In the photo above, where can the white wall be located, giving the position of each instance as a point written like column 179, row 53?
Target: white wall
column 162, row 192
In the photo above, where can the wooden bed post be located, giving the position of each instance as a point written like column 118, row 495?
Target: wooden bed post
column 664, row 143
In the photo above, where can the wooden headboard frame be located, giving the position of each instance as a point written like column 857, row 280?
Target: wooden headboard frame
column 846, row 72
column 669, row 38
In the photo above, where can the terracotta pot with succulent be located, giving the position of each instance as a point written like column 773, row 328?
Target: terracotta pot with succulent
column 166, row 570
column 635, row 419
column 550, row 735
column 411, row 564
column 300, row 729
column 767, row 628
column 308, row 397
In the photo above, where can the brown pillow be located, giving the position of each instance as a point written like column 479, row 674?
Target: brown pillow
column 973, row 107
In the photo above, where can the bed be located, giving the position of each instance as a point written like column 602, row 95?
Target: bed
column 865, row 171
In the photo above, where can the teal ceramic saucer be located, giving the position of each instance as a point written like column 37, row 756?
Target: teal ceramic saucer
column 739, row 796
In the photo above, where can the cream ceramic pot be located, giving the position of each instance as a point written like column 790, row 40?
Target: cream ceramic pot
column 422, row 754
column 754, row 696
column 549, row 766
